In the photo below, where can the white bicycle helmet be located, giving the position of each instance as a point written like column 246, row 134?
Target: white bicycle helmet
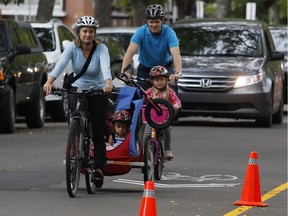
column 87, row 21
column 155, row 11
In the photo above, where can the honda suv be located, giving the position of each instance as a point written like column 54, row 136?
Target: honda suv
column 230, row 69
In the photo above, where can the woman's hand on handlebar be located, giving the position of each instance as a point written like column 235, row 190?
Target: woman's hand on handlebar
column 108, row 87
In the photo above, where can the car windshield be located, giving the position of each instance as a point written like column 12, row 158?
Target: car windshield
column 219, row 41
column 280, row 38
column 47, row 38
column 3, row 41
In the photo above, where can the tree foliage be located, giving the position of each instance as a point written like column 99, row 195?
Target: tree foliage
column 5, row 2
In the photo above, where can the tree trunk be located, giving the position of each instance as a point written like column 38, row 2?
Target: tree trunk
column 45, row 10
column 103, row 12
column 223, row 8
column 185, row 8
column 139, row 7
column 274, row 12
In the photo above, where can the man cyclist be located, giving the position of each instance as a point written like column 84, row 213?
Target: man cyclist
column 157, row 44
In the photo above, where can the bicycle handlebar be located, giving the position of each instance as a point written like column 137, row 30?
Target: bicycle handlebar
column 91, row 91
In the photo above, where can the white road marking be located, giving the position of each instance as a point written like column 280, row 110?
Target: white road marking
column 161, row 185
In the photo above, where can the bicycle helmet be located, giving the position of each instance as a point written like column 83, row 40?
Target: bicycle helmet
column 87, row 21
column 158, row 71
column 121, row 116
column 155, row 11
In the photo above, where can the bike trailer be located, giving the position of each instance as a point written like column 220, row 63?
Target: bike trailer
column 121, row 159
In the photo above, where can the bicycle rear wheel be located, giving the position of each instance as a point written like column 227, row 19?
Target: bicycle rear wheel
column 159, row 162
column 148, row 170
column 73, row 157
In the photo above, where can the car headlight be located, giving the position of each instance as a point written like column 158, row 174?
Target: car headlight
column 243, row 81
column 2, row 76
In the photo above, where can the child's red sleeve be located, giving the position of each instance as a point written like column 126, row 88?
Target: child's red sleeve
column 173, row 98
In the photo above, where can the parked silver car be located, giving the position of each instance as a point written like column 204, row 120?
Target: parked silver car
column 230, row 69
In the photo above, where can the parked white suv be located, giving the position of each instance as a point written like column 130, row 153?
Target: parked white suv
column 54, row 36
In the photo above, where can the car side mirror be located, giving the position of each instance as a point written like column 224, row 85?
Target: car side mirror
column 276, row 55
column 65, row 44
column 21, row 49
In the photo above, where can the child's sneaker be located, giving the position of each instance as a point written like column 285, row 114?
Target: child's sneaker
column 168, row 155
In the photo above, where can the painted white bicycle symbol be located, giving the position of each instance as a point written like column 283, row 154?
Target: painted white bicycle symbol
column 212, row 177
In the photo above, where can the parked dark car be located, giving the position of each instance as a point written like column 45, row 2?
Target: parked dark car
column 230, row 69
column 22, row 74
column 280, row 37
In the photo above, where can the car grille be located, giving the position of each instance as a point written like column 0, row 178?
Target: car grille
column 206, row 83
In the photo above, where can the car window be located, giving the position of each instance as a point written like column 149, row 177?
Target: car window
column 218, row 40
column 64, row 34
column 280, row 38
column 15, row 36
column 47, row 38
column 29, row 37
column 3, row 40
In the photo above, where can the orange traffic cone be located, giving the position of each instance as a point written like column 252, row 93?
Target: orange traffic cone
column 148, row 203
column 251, row 195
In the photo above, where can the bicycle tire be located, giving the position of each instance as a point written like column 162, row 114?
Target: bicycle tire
column 150, row 112
column 148, row 170
column 159, row 162
column 73, row 157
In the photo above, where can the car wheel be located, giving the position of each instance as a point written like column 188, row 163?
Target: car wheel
column 266, row 121
column 35, row 112
column 60, row 111
column 7, row 115
column 278, row 116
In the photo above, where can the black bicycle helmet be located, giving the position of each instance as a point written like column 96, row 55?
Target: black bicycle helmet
column 155, row 11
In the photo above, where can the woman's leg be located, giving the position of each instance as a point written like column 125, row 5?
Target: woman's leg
column 98, row 107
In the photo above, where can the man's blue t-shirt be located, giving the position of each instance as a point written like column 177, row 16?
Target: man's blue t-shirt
column 155, row 49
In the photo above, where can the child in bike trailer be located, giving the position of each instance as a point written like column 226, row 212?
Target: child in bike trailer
column 160, row 89
column 121, row 121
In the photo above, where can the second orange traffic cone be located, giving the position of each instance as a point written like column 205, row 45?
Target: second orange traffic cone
column 251, row 195
column 148, row 203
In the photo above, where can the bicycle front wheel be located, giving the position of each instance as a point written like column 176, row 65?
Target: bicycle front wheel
column 159, row 162
column 73, row 157
column 148, row 170
column 161, row 119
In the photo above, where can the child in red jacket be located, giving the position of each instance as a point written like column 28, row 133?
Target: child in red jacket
column 160, row 89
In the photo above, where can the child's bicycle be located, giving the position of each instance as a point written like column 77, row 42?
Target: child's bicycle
column 79, row 156
column 159, row 114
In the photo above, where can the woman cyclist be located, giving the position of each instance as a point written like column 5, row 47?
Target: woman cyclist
column 157, row 44
column 97, row 75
